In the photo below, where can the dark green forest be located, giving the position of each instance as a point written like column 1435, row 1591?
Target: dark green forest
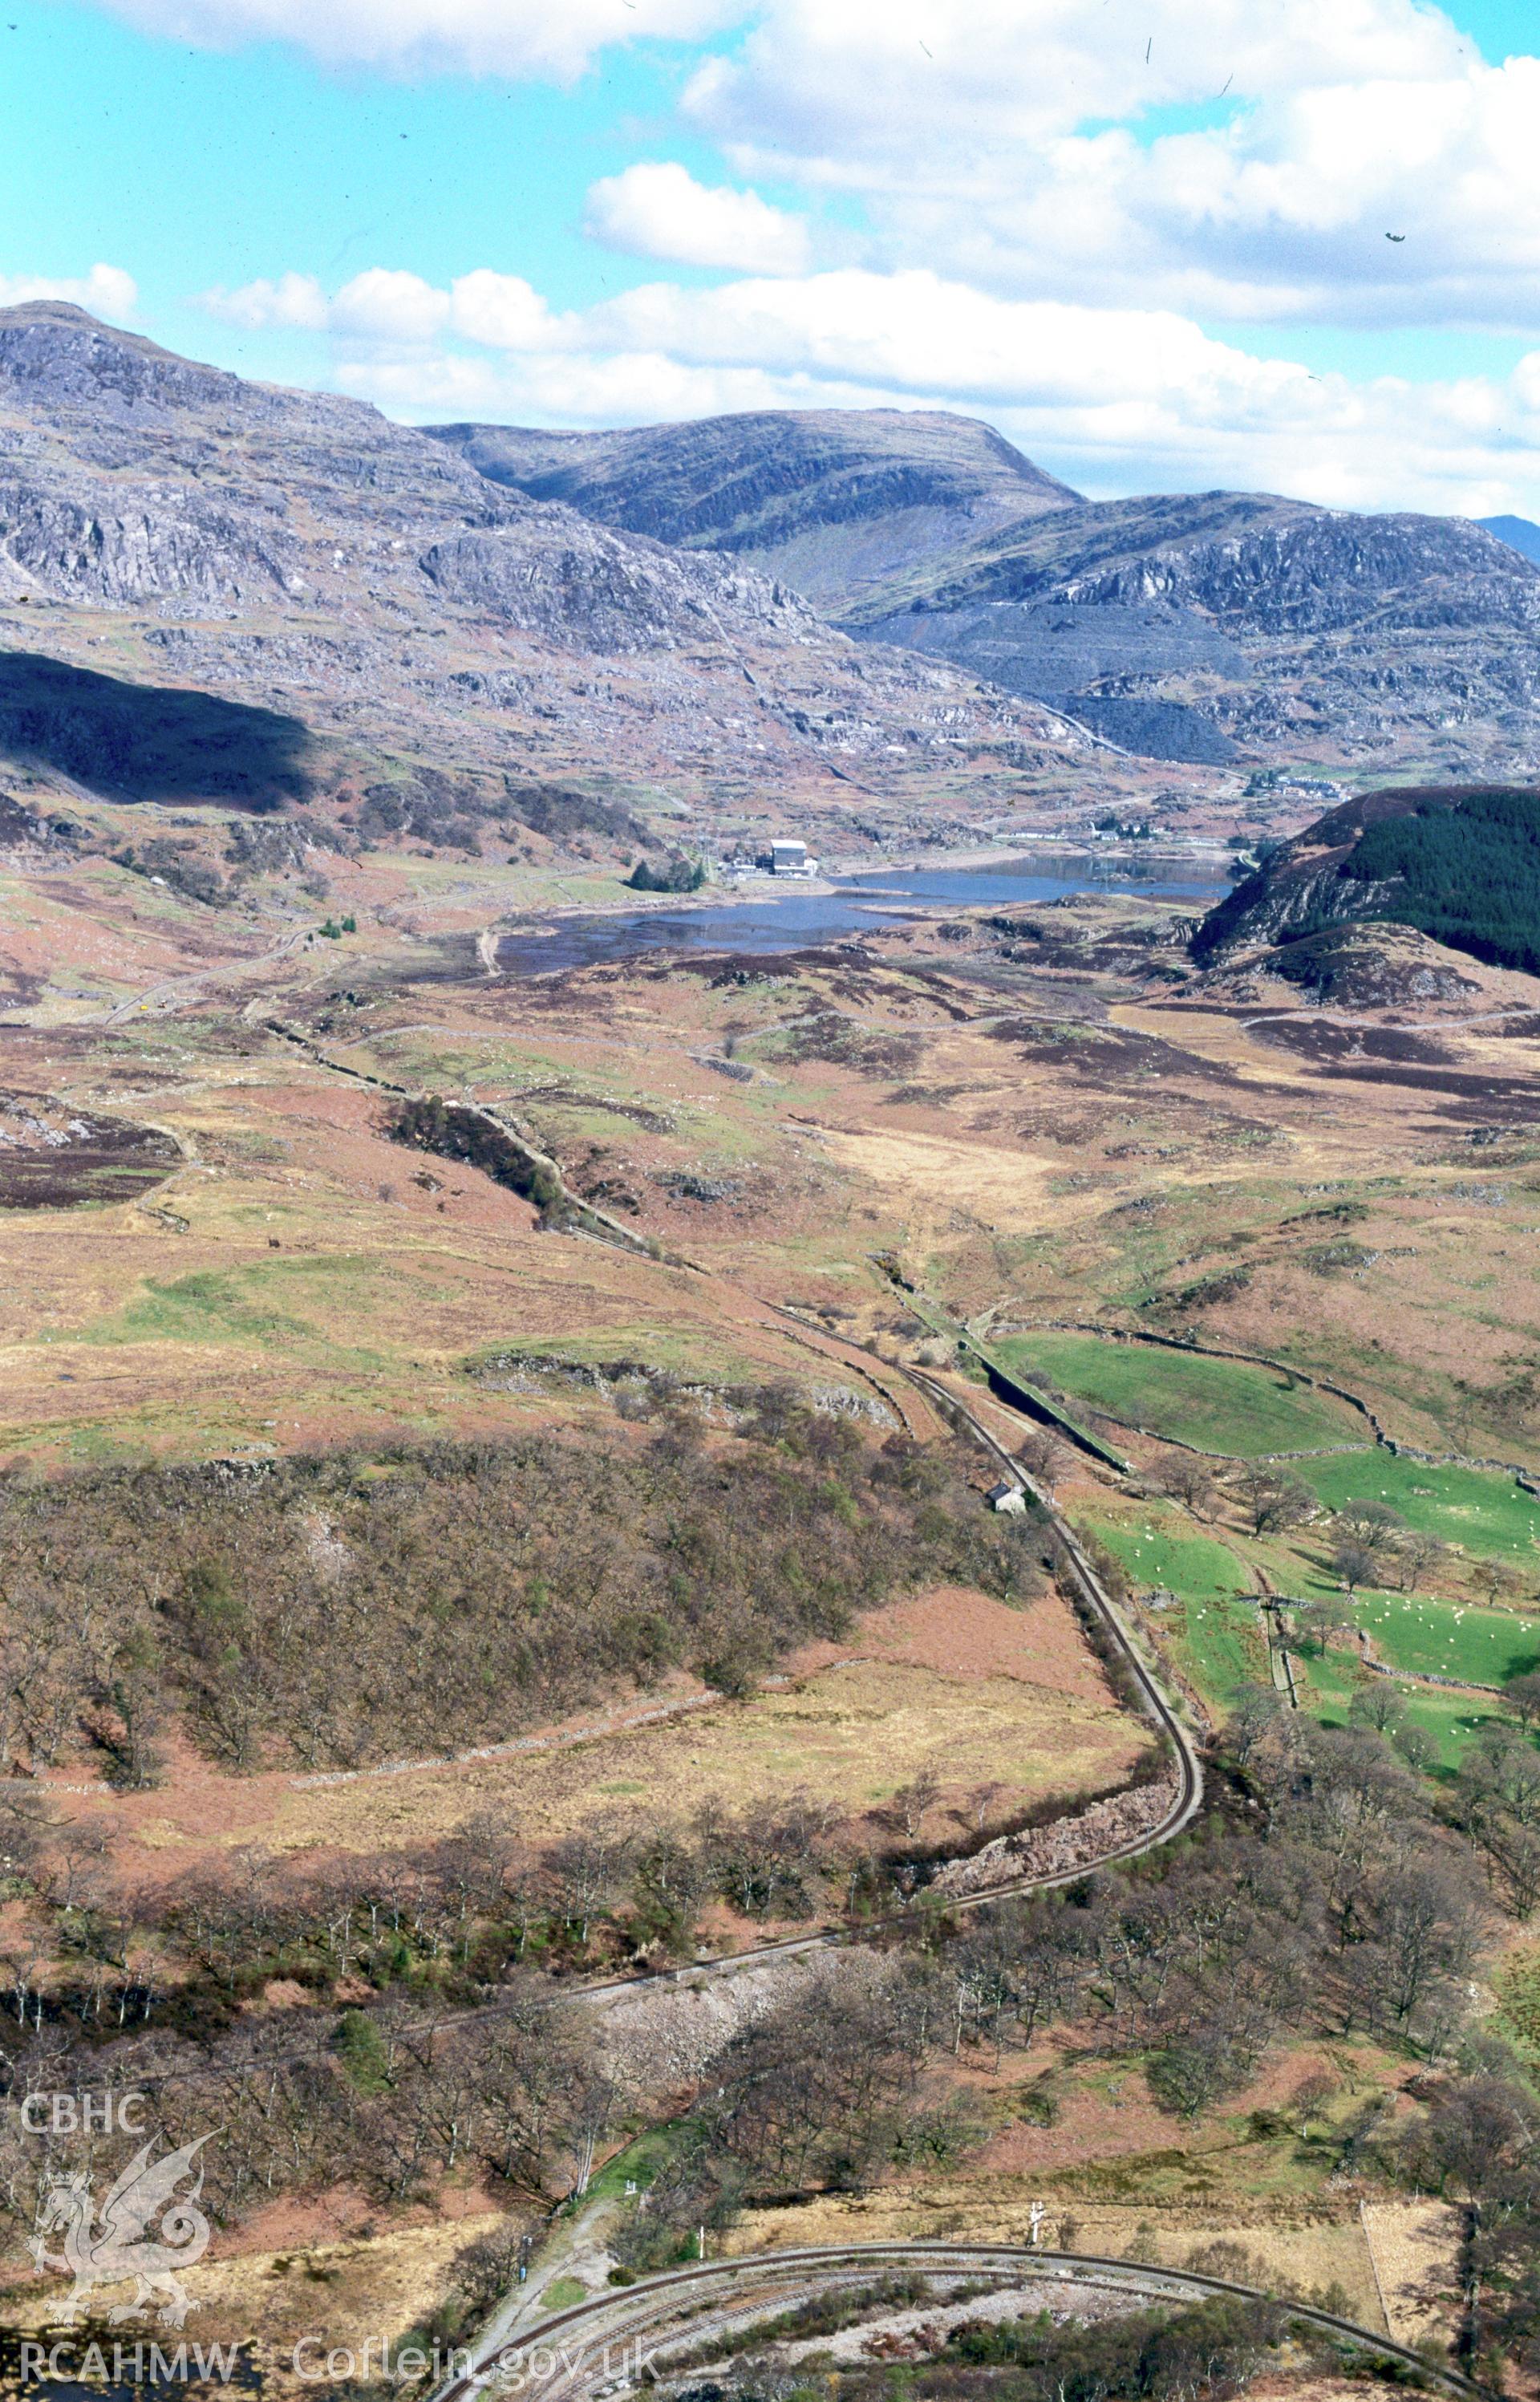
column 1469, row 876
column 1462, row 865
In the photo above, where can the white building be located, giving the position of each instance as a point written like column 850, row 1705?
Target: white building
column 791, row 859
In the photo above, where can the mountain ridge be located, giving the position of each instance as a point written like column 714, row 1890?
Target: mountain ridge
column 829, row 500
column 1520, row 534
column 1206, row 627
column 1270, row 625
column 176, row 526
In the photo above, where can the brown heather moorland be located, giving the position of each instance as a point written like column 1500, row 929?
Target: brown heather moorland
column 808, row 1172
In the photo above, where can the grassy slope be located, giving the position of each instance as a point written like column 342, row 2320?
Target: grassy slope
column 1485, row 1514
column 1215, row 1640
column 1442, row 1639
column 1220, row 1405
column 1449, row 1719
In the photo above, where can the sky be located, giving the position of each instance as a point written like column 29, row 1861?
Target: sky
column 1290, row 245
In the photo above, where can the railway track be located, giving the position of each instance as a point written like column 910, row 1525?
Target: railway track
column 1185, row 1807
column 1095, row 1597
column 569, row 2354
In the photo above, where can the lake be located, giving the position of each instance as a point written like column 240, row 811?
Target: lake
column 783, row 918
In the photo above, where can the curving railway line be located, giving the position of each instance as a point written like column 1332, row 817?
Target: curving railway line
column 1189, row 1793
column 1185, row 1807
column 1187, row 1801
column 1189, row 1774
column 570, row 2356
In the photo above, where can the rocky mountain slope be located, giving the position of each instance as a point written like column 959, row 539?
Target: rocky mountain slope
column 1253, row 623
column 1211, row 627
column 835, row 501
column 304, row 601
column 1521, row 533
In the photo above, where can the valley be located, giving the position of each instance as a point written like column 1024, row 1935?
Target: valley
column 691, row 1568
column 1038, row 1128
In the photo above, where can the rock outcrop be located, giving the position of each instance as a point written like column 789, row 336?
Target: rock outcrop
column 1200, row 627
column 1273, row 627
column 361, row 599
column 835, row 501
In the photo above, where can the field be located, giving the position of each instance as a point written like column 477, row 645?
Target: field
column 878, row 1102
column 1449, row 1720
column 851, row 1736
column 1217, row 1639
column 1486, row 1514
column 1214, row 1638
column 1441, row 1638
column 951, row 2211
column 1218, row 1405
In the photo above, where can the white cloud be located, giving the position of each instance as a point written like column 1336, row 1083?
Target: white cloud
column 503, row 311
column 107, row 291
column 518, row 37
column 659, row 211
column 389, row 306
column 1037, row 239
column 1113, row 399
column 884, row 90
column 1018, row 143
column 1282, row 214
column 386, row 309
column 290, row 300
column 915, row 332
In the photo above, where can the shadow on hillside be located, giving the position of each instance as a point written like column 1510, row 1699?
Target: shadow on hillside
column 148, row 742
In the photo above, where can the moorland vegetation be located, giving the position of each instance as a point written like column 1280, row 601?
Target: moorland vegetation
column 1330, row 1899
column 322, row 1610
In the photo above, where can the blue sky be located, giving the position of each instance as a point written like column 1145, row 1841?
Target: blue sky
column 1149, row 240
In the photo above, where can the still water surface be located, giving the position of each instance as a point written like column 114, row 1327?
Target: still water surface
column 783, row 918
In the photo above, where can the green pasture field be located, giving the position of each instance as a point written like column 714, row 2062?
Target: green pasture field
column 1154, row 1553
column 1449, row 1720
column 1222, row 1648
column 1218, row 1639
column 1220, row 1405
column 1476, row 1508
column 1445, row 1638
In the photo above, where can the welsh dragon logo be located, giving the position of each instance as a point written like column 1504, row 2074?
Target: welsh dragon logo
column 108, row 2246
